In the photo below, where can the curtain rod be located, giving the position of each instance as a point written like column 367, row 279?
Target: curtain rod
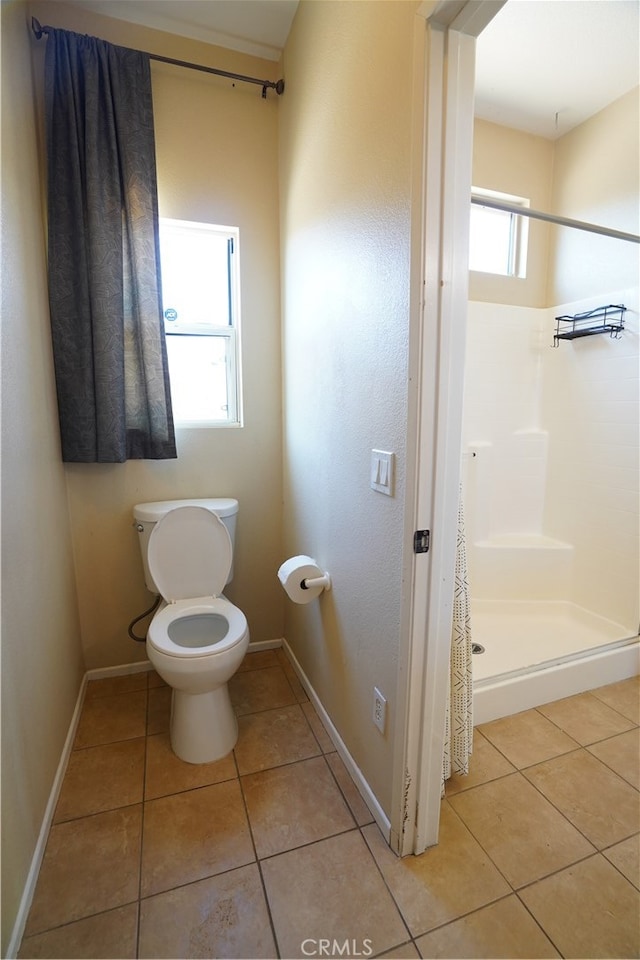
column 277, row 85
column 551, row 218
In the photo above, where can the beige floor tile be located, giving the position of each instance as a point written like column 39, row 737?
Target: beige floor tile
column 223, row 916
column 102, row 778
column 159, row 709
column 486, row 763
column 265, row 689
column 292, row 676
column 525, row 836
column 626, row 857
column 272, row 738
column 623, row 696
column 90, row 865
column 107, row 719
column 111, row 686
column 443, row 883
column 111, row 934
column 356, row 804
column 503, row 929
column 293, row 805
column 155, row 680
column 193, row 835
column 166, row 773
column 585, row 718
column 406, row 951
column 258, row 660
column 588, row 910
column 326, row 743
column 622, row 754
column 596, row 800
column 527, row 738
column 331, row 890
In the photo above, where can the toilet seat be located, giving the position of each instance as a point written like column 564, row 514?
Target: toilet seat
column 189, row 554
column 159, row 635
column 189, row 557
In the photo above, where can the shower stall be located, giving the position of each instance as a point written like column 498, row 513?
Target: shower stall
column 551, row 491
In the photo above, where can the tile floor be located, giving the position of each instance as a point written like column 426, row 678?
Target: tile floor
column 271, row 850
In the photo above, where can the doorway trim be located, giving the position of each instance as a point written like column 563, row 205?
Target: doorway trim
column 435, row 417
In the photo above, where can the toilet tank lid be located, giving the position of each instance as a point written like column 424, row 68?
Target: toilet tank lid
column 152, row 512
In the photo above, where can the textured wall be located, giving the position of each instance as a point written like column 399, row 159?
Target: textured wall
column 345, row 127
column 41, row 655
column 597, row 178
column 521, row 164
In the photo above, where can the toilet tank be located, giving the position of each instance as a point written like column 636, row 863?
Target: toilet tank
column 146, row 515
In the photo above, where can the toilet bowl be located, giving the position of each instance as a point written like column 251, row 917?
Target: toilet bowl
column 197, row 639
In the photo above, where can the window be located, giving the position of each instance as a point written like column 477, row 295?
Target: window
column 497, row 238
column 200, row 301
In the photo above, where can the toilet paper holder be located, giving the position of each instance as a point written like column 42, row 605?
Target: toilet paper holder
column 302, row 579
column 308, row 583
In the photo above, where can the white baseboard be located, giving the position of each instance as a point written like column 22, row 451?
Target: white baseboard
column 143, row 666
column 357, row 776
column 38, row 854
column 256, row 645
column 120, row 670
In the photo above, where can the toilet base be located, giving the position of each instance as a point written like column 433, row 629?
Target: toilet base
column 203, row 725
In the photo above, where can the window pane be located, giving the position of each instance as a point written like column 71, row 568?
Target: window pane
column 198, row 373
column 490, row 240
column 195, row 277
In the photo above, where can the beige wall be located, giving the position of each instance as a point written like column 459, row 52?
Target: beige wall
column 41, row 655
column 596, row 178
column 521, row 164
column 589, row 174
column 345, row 143
column 217, row 162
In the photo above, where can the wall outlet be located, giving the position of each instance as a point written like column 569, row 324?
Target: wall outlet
column 379, row 709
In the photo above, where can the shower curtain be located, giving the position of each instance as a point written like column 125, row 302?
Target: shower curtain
column 458, row 742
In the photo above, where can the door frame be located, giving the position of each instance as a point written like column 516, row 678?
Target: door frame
column 443, row 128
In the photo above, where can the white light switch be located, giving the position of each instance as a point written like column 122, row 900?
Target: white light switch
column 382, row 464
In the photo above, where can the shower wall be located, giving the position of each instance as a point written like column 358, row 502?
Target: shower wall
column 550, row 447
column 590, row 404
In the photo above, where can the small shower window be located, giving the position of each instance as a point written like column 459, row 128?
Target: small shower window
column 497, row 238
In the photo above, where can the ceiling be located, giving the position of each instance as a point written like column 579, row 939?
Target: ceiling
column 543, row 66
column 258, row 27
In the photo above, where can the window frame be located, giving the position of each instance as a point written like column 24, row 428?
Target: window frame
column 230, row 332
column 516, row 267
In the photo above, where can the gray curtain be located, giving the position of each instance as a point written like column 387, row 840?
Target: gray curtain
column 110, row 357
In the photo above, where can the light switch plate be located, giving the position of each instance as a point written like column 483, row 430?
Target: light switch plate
column 382, row 471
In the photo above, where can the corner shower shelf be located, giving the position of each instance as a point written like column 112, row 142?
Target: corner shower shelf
column 608, row 319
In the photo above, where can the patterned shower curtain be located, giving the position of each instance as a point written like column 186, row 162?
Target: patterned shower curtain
column 459, row 718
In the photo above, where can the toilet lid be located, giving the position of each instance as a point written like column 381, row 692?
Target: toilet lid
column 189, row 554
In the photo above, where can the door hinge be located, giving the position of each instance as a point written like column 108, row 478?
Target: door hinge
column 421, row 541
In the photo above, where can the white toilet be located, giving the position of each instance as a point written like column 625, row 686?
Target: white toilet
column 197, row 639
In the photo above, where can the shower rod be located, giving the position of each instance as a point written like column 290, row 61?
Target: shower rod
column 552, row 218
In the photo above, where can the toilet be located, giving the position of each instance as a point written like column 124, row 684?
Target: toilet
column 197, row 639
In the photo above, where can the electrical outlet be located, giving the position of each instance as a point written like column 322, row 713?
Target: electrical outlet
column 379, row 709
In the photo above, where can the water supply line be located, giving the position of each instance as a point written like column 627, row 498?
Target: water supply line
column 147, row 613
